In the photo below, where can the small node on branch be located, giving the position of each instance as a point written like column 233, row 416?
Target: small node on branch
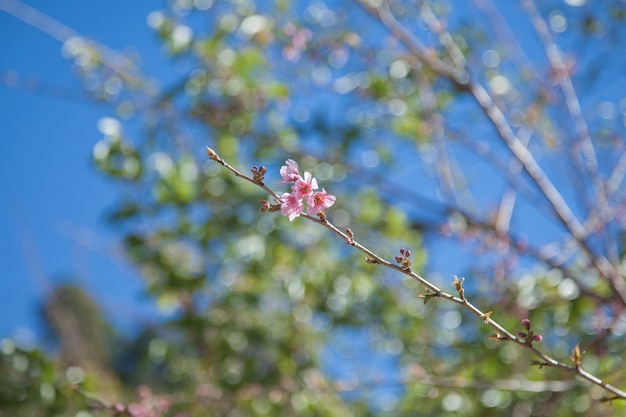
column 498, row 337
column 428, row 295
column 370, row 260
column 404, row 259
column 577, row 355
column 322, row 216
column 458, row 284
column 487, row 316
column 541, row 364
column 350, row 238
column 258, row 174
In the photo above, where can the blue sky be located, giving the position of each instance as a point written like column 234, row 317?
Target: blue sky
column 51, row 214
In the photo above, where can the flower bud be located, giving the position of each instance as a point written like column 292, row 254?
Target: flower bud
column 265, row 205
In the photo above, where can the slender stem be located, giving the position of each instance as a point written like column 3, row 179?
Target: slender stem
column 502, row 334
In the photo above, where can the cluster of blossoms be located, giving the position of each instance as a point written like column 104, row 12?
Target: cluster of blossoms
column 302, row 191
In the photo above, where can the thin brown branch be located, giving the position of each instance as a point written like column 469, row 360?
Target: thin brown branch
column 432, row 291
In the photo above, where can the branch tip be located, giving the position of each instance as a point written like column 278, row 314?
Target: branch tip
column 258, row 174
column 350, row 238
column 213, row 155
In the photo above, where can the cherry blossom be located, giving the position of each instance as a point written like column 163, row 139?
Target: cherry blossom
column 303, row 188
column 289, row 172
column 319, row 202
column 291, row 206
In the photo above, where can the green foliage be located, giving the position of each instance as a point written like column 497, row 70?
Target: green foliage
column 32, row 384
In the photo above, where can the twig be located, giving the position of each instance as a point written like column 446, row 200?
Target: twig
column 432, row 291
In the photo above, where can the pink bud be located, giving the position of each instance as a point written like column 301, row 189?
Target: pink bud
column 265, row 205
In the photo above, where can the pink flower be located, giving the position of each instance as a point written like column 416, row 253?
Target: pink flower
column 304, row 186
column 289, row 172
column 291, row 206
column 302, row 194
column 319, row 202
